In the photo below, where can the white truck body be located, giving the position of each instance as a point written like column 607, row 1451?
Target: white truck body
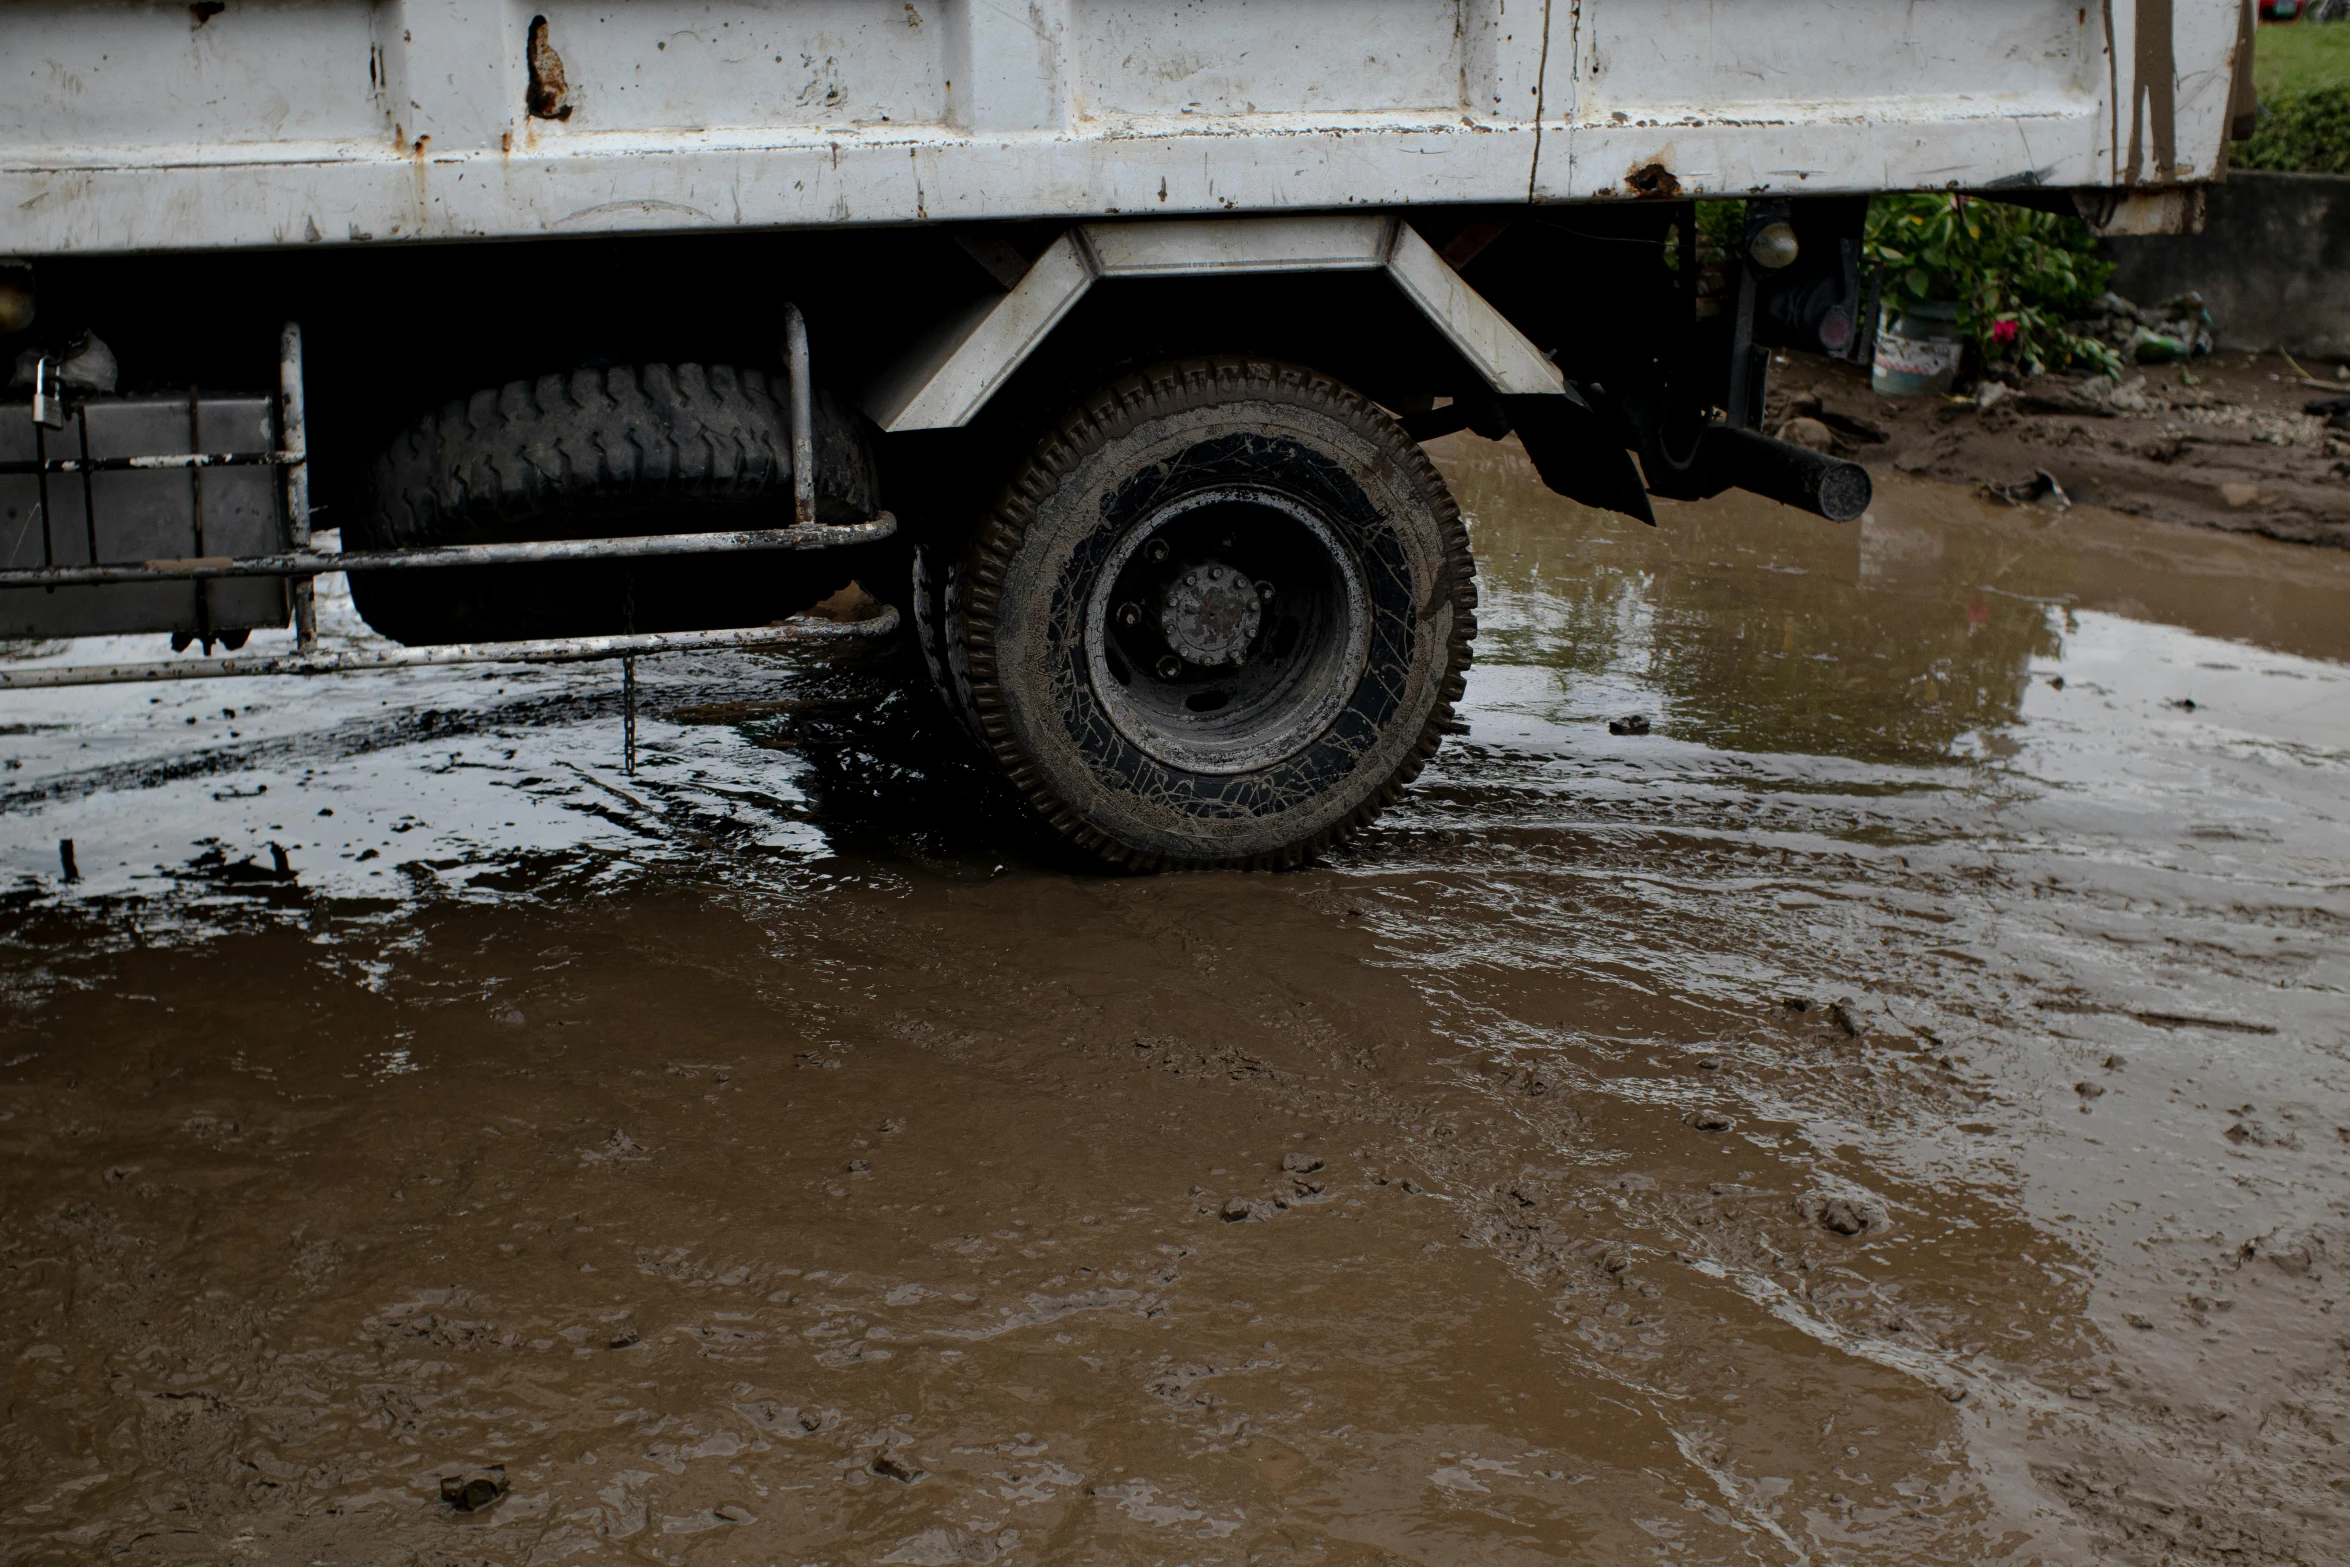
column 130, row 127
column 1110, row 333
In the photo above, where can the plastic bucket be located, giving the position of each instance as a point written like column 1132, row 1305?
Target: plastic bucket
column 1919, row 352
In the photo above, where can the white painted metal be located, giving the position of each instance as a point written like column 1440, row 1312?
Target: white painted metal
column 128, row 127
column 947, row 382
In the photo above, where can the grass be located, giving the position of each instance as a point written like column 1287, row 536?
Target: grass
column 2292, row 57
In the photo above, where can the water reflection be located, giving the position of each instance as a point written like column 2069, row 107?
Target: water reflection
column 1907, row 639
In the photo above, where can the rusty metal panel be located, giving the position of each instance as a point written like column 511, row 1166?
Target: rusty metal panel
column 80, row 518
column 340, row 121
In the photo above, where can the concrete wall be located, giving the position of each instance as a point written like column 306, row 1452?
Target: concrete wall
column 2272, row 262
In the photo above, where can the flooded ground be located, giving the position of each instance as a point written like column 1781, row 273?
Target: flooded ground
column 1891, row 1111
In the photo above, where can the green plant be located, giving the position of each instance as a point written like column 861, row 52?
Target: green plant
column 2014, row 273
column 1720, row 227
column 2305, row 132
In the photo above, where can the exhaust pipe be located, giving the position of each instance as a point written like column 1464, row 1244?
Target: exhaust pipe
column 1792, row 475
column 1726, row 458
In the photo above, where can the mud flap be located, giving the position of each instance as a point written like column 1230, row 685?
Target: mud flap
column 1577, row 457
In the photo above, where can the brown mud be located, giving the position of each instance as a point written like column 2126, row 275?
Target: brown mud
column 2225, row 442
column 1892, row 1111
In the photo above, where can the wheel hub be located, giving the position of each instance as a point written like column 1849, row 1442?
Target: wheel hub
column 1210, row 614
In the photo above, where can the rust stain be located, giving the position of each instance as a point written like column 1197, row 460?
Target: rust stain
column 2154, row 93
column 1653, row 180
column 548, row 90
column 1470, row 242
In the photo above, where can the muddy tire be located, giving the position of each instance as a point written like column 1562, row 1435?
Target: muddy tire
column 939, row 633
column 1219, row 618
column 596, row 454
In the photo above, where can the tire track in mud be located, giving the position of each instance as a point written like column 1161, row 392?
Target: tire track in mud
column 1928, row 1044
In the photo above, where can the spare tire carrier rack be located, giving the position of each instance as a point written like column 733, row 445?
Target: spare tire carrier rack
column 303, row 565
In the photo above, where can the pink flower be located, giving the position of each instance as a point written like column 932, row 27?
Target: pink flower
column 2003, row 334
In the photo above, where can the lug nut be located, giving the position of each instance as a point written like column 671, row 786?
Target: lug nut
column 1170, row 667
column 1157, row 551
column 1130, row 614
column 1265, row 591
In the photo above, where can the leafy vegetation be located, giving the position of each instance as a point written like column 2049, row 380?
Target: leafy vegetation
column 2015, row 274
column 2300, row 132
column 2018, row 277
column 2303, row 72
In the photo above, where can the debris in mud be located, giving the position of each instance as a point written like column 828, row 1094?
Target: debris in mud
column 215, row 864
column 887, row 1466
column 1237, row 1210
column 1300, row 1163
column 2240, row 444
column 1709, row 1121
column 1846, row 1016
column 2041, row 489
column 2176, row 329
column 952, row 1547
column 1806, row 421
column 734, row 1512
column 2089, row 1090
column 1843, row 1212
column 2260, row 1135
column 1629, row 724
column 626, row 1337
column 617, row 1146
column 1810, row 433
column 851, row 603
column 470, row 1494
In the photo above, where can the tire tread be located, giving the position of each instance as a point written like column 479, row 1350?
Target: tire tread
column 1103, row 417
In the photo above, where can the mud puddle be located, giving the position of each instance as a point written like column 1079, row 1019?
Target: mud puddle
column 1890, row 1110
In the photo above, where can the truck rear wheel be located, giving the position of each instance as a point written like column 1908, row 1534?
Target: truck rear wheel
column 1220, row 617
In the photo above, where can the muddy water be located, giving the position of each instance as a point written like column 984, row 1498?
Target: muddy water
column 1891, row 1111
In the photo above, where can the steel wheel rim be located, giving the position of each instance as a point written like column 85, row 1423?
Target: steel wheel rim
column 1302, row 658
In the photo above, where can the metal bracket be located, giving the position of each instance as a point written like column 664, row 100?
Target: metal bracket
column 945, row 384
column 803, row 417
column 304, row 565
column 552, row 650
column 48, row 402
column 293, row 439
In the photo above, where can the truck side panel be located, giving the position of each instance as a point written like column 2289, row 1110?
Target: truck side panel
column 288, row 122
